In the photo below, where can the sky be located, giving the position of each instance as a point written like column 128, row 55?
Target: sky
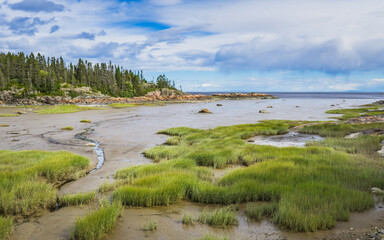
column 212, row 45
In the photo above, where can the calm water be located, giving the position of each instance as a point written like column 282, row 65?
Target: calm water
column 323, row 95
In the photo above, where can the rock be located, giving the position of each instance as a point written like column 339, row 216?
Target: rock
column 20, row 112
column 269, row 107
column 376, row 190
column 263, row 111
column 332, row 105
column 250, row 140
column 351, row 229
column 244, row 95
column 219, row 105
column 380, row 102
column 366, row 119
column 297, row 106
column 90, row 144
column 353, row 135
column 204, row 110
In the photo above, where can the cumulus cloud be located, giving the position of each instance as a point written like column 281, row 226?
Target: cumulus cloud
column 37, row 6
column 85, row 35
column 25, row 25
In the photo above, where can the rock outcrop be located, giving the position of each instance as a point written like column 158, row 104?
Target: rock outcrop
column 367, row 119
column 204, row 110
column 244, row 95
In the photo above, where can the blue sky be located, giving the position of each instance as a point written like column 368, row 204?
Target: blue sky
column 207, row 45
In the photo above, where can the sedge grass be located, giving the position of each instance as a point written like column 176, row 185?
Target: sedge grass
column 311, row 188
column 95, row 225
column 354, row 112
column 28, row 179
column 8, row 115
column 151, row 226
column 61, row 109
column 209, row 236
column 258, row 211
column 221, row 217
column 188, row 219
column 76, row 199
column 6, row 226
column 123, row 105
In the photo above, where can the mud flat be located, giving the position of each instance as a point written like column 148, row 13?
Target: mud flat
column 124, row 134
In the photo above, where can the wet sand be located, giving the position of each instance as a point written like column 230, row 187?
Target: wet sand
column 125, row 133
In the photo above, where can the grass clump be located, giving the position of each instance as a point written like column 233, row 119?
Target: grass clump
column 28, row 179
column 95, row 225
column 61, row 109
column 258, row 211
column 8, row 115
column 85, row 121
column 329, row 129
column 76, row 199
column 6, row 225
column 222, row 217
column 68, row 128
column 188, row 219
column 151, row 226
column 4, row 125
column 209, row 236
column 355, row 112
column 123, row 105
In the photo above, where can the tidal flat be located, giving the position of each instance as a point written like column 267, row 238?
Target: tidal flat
column 124, row 134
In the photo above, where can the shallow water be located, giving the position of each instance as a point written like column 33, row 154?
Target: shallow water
column 291, row 139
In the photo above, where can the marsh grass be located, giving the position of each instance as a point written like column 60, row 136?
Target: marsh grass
column 356, row 112
column 257, row 211
column 221, row 217
column 28, row 178
column 6, row 226
column 338, row 129
column 95, row 225
column 68, row 128
column 61, row 109
column 310, row 188
column 76, row 199
column 151, row 226
column 188, row 219
column 8, row 115
column 123, row 105
column 209, row 236
column 85, row 121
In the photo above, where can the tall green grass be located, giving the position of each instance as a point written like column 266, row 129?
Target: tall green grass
column 311, row 188
column 95, row 225
column 209, row 236
column 8, row 115
column 28, row 178
column 354, row 112
column 258, row 211
column 6, row 225
column 76, row 199
column 338, row 129
column 221, row 217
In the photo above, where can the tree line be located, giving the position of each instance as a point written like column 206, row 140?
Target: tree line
column 37, row 74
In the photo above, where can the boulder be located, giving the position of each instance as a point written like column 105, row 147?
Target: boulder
column 269, row 107
column 263, row 111
column 219, row 105
column 90, row 144
column 204, row 110
column 376, row 190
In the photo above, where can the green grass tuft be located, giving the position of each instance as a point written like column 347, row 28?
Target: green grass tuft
column 221, row 217
column 68, row 128
column 209, row 236
column 6, row 226
column 258, row 211
column 61, row 109
column 28, row 178
column 8, row 115
column 151, row 226
column 95, row 225
column 188, row 219
column 76, row 199
column 85, row 121
column 123, row 105
column 355, row 112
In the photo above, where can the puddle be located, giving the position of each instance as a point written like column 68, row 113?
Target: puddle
column 291, row 139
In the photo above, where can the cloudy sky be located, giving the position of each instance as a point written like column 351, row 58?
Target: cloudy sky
column 212, row 45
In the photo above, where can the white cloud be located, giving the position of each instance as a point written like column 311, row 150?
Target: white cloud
column 204, row 85
column 378, row 80
column 345, row 87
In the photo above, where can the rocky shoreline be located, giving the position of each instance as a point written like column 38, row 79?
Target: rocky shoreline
column 165, row 95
